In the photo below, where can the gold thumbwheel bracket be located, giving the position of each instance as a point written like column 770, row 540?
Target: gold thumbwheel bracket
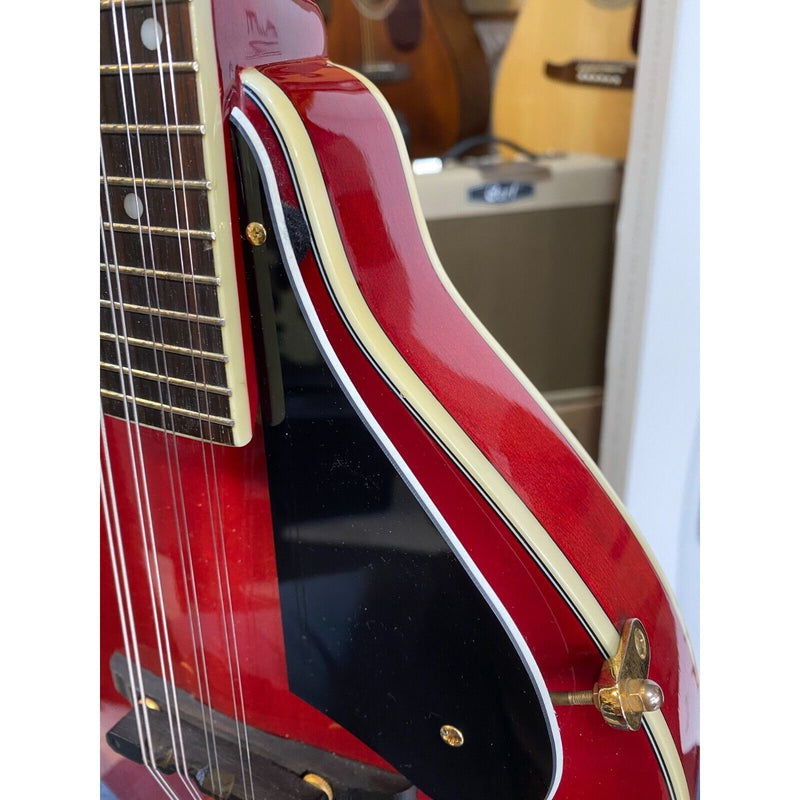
column 623, row 692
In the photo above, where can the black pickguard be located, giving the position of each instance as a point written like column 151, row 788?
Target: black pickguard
column 385, row 631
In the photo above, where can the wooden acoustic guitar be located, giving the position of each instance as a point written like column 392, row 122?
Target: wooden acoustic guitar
column 425, row 58
column 347, row 549
column 566, row 78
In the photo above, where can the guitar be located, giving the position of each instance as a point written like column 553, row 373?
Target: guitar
column 566, row 78
column 347, row 549
column 426, row 60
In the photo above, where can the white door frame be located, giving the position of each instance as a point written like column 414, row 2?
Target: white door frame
column 649, row 444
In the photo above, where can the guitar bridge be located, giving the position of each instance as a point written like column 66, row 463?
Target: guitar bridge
column 273, row 768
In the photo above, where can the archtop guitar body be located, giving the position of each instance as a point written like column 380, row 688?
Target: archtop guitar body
column 346, row 547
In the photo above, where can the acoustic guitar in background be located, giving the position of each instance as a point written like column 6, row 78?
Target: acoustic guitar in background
column 566, row 79
column 426, row 60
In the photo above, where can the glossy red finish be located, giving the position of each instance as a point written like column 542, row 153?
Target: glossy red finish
column 565, row 653
column 366, row 185
column 251, row 33
column 223, row 491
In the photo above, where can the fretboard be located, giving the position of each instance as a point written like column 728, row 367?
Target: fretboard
column 170, row 330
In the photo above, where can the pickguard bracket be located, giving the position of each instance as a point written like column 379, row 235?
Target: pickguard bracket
column 623, row 692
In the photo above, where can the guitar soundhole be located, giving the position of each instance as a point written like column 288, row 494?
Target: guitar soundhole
column 405, row 25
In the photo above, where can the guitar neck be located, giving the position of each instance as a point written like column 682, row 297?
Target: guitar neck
column 171, row 347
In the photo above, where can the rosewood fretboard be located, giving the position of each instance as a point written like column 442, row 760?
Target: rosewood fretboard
column 170, row 334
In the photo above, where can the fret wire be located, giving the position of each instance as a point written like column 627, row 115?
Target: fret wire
column 152, row 376
column 209, row 355
column 157, row 183
column 124, row 227
column 149, row 128
column 208, row 280
column 145, row 68
column 164, row 312
column 186, row 412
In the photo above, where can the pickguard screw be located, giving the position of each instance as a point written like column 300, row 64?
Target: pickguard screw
column 451, row 735
column 256, row 233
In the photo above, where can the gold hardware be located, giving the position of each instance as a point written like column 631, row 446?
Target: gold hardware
column 451, row 735
column 320, row 783
column 150, row 703
column 623, row 691
column 256, row 233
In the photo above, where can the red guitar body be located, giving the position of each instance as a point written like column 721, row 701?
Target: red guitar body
column 222, row 521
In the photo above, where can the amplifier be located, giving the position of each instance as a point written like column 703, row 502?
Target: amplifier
column 529, row 245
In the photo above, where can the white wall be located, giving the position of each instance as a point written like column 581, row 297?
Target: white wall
column 650, row 439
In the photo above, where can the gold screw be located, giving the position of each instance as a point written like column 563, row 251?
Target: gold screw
column 320, row 783
column 256, row 233
column 150, row 703
column 451, row 735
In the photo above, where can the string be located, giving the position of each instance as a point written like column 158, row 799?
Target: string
column 145, row 737
column 184, row 542
column 232, row 649
column 186, row 560
column 216, row 486
column 139, row 471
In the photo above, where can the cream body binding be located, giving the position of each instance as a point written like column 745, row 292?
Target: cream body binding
column 337, row 268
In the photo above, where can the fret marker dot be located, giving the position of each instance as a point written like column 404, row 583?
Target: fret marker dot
column 133, row 206
column 151, row 33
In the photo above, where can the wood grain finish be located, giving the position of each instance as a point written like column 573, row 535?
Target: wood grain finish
column 445, row 97
column 546, row 114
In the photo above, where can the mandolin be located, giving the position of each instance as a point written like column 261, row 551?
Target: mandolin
column 566, row 78
column 425, row 58
column 347, row 550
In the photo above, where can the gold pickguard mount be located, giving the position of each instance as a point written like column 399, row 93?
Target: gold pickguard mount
column 623, row 693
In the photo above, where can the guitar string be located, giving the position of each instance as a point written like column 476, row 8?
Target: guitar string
column 143, row 495
column 130, row 424
column 366, row 40
column 369, row 13
column 185, row 550
column 216, row 486
column 167, row 439
column 184, row 540
column 108, row 497
column 150, row 555
column 137, row 687
column 211, row 447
